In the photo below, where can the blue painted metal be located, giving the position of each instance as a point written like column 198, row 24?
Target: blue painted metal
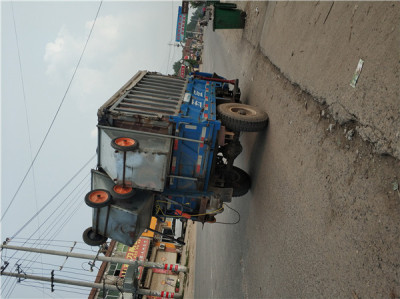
column 123, row 220
column 197, row 120
column 191, row 162
column 182, row 115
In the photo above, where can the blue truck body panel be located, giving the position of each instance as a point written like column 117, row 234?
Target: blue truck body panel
column 178, row 116
column 197, row 121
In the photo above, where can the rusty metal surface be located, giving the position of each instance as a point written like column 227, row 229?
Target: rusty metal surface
column 154, row 95
column 125, row 219
column 203, row 209
column 145, row 168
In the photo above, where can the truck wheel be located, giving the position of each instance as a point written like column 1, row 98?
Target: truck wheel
column 241, row 117
column 238, row 180
column 90, row 237
column 124, row 144
column 121, row 192
column 98, row 198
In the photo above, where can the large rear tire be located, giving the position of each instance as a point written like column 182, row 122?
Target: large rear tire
column 238, row 180
column 242, row 117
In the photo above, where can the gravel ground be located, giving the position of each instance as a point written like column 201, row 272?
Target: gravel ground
column 322, row 217
column 318, row 45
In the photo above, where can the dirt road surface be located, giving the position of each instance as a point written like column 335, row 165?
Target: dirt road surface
column 322, row 216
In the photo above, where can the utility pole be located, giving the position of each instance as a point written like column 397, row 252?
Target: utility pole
column 161, row 294
column 64, row 281
column 127, row 287
column 172, row 267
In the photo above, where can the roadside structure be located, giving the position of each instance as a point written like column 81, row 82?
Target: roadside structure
column 152, row 247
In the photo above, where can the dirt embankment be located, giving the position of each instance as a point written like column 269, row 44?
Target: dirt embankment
column 318, row 45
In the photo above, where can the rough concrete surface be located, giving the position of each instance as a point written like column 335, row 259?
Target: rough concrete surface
column 322, row 216
column 318, row 45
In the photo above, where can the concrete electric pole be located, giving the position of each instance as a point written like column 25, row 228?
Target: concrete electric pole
column 128, row 288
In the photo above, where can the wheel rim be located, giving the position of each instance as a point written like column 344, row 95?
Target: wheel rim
column 243, row 110
column 125, row 141
column 98, row 196
column 122, row 190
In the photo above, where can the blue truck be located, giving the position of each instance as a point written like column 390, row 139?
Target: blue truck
column 166, row 148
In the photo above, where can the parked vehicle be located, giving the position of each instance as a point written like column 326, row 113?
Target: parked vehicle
column 166, row 148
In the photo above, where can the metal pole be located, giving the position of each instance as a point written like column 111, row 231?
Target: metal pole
column 172, row 267
column 154, row 134
column 65, row 281
column 94, row 285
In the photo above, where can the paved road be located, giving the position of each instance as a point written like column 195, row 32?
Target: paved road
column 321, row 219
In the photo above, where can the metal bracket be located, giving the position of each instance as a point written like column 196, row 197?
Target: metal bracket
column 52, row 281
column 19, row 270
column 4, row 266
column 72, row 248
column 92, row 264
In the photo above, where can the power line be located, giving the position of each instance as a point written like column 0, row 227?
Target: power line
column 69, row 291
column 34, row 243
column 58, row 217
column 32, row 284
column 51, row 199
column 58, row 288
column 48, row 264
column 34, row 259
column 172, row 30
column 30, row 239
column 51, row 226
column 26, row 107
column 55, row 116
column 64, row 271
column 24, row 97
column 26, row 269
column 14, row 283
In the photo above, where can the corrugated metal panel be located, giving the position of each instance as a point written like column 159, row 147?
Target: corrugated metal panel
column 154, row 95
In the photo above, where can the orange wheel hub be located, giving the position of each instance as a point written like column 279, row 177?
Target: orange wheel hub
column 98, row 196
column 122, row 190
column 125, row 141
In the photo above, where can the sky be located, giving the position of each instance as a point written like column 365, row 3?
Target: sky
column 41, row 44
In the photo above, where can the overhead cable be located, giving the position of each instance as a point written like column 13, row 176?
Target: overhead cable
column 51, row 227
column 55, row 116
column 51, row 199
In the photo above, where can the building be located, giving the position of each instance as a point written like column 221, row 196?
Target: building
column 151, row 247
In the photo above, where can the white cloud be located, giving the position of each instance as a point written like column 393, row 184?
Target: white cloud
column 120, row 45
column 107, row 33
column 116, row 40
column 60, row 55
column 110, row 41
column 54, row 48
column 93, row 133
